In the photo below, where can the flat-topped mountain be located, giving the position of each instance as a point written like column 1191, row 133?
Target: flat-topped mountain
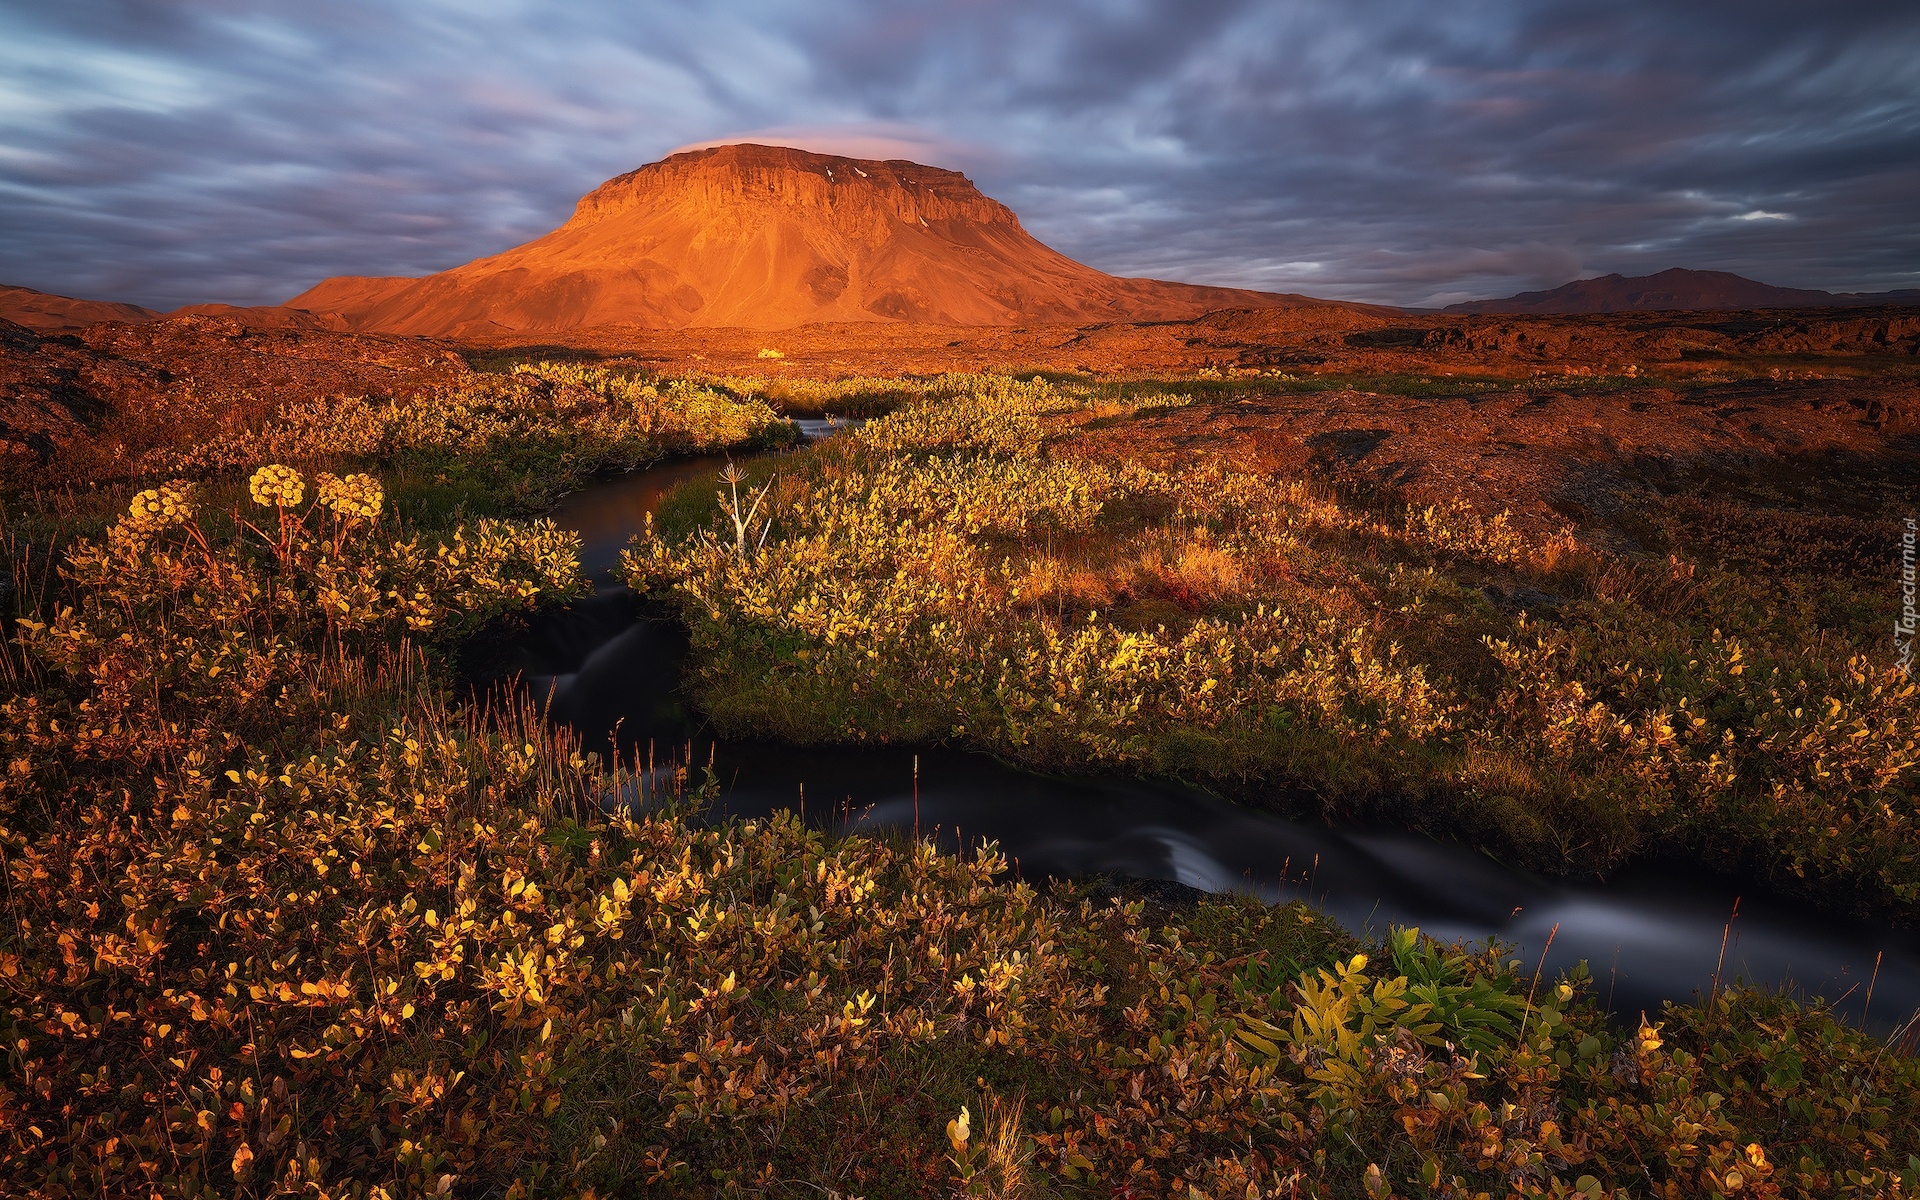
column 1675, row 290
column 769, row 237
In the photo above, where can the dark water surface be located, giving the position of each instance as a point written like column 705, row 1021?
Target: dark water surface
column 1653, row 933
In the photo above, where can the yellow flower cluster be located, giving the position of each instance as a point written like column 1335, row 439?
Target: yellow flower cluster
column 158, row 509
column 352, row 497
column 162, row 507
column 152, row 512
column 277, row 486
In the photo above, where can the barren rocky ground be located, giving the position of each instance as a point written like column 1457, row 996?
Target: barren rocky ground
column 83, row 407
column 1551, row 455
column 1628, row 345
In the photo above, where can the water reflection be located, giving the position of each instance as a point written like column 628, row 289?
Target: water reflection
column 610, row 512
column 1662, row 931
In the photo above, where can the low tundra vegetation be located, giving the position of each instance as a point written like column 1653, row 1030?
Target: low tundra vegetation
column 962, row 570
column 503, row 441
column 279, row 923
column 281, row 919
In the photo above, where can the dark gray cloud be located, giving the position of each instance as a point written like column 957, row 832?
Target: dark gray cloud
column 1405, row 151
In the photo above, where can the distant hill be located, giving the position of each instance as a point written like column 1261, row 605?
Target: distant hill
column 44, row 313
column 270, row 316
column 1676, row 290
column 768, row 237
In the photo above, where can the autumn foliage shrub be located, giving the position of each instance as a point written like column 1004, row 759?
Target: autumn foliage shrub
column 185, row 628
column 281, row 919
column 521, row 436
column 960, row 570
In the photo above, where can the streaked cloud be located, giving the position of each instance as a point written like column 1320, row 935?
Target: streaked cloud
column 1397, row 150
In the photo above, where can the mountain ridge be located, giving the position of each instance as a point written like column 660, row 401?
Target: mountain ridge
column 1676, row 289
column 45, row 312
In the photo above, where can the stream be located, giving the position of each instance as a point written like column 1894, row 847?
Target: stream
column 1659, row 931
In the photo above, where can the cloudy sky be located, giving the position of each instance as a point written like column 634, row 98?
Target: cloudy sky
column 1404, row 151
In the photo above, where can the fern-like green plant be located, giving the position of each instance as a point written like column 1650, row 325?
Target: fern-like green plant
column 1477, row 1003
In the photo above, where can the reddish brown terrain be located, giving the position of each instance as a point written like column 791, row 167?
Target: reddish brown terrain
column 1301, row 341
column 765, row 237
column 1551, row 418
column 49, row 314
column 60, row 314
column 267, row 316
column 84, row 408
column 1552, row 456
